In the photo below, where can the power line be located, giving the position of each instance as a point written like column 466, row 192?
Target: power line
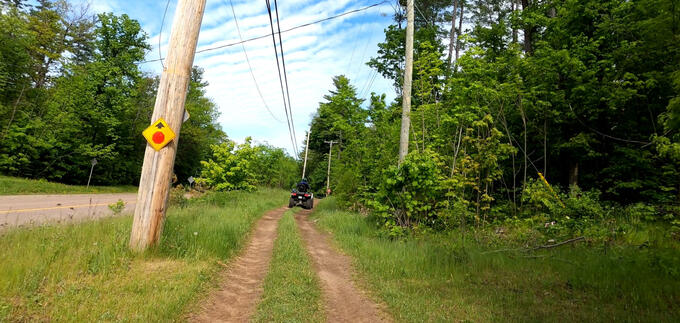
column 363, row 54
column 422, row 15
column 285, row 74
column 278, row 67
column 645, row 143
column 354, row 47
column 160, row 34
column 282, row 31
column 238, row 29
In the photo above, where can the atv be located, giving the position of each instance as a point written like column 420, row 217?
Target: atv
column 301, row 196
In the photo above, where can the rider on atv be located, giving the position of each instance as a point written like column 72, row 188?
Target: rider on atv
column 301, row 195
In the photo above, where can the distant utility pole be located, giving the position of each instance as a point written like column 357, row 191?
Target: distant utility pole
column 408, row 76
column 304, row 167
column 154, row 184
column 94, row 162
column 328, row 175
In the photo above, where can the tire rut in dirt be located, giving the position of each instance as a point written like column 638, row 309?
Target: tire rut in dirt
column 343, row 301
column 241, row 284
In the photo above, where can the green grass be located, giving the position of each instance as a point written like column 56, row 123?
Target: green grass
column 291, row 288
column 15, row 185
column 438, row 278
column 85, row 272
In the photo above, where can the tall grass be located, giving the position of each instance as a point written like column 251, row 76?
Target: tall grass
column 15, row 185
column 442, row 278
column 291, row 288
column 85, row 272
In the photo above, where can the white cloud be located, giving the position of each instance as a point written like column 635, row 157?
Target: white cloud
column 314, row 54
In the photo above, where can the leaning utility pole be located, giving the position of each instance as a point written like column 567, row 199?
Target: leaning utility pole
column 304, row 167
column 406, row 93
column 157, row 169
column 328, row 175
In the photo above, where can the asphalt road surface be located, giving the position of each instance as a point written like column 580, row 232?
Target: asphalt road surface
column 21, row 210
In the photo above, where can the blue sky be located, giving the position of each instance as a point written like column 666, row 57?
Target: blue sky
column 314, row 54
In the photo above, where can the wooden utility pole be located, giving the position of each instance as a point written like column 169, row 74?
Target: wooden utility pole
column 304, row 167
column 157, row 169
column 406, row 93
column 328, row 175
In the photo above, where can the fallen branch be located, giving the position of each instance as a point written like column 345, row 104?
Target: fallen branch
column 502, row 250
column 558, row 244
column 536, row 248
column 552, row 258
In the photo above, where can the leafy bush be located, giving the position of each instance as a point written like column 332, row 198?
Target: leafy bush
column 245, row 166
column 410, row 194
column 230, row 168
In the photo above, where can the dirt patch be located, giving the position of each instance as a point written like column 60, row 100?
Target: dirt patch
column 344, row 302
column 241, row 284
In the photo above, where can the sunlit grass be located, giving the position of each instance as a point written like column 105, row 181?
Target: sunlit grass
column 291, row 288
column 85, row 272
column 437, row 278
column 16, row 185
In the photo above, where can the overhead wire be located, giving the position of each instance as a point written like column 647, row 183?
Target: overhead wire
column 282, row 31
column 644, row 143
column 422, row 15
column 285, row 73
column 363, row 53
column 245, row 53
column 278, row 67
column 160, row 34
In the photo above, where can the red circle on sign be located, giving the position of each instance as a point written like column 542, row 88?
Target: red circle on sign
column 158, row 137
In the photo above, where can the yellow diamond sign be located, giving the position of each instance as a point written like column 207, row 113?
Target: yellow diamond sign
column 158, row 134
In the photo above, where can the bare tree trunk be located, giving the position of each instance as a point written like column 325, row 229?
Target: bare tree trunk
column 452, row 40
column 460, row 28
column 14, row 111
column 524, row 124
column 514, row 7
column 545, row 147
column 514, row 174
column 528, row 32
column 573, row 175
column 406, row 94
column 456, row 150
column 422, row 117
column 415, row 139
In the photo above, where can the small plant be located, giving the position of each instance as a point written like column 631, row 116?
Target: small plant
column 118, row 207
column 177, row 197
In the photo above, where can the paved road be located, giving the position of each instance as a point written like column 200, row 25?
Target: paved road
column 18, row 210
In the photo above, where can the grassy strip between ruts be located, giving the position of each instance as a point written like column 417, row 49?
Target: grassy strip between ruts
column 291, row 288
column 438, row 278
column 85, row 272
column 16, row 186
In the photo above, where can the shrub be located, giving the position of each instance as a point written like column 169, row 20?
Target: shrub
column 410, row 194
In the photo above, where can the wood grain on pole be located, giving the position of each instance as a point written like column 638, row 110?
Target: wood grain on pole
column 406, row 93
column 157, row 169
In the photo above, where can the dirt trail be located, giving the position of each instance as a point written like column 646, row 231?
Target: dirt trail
column 241, row 284
column 344, row 302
